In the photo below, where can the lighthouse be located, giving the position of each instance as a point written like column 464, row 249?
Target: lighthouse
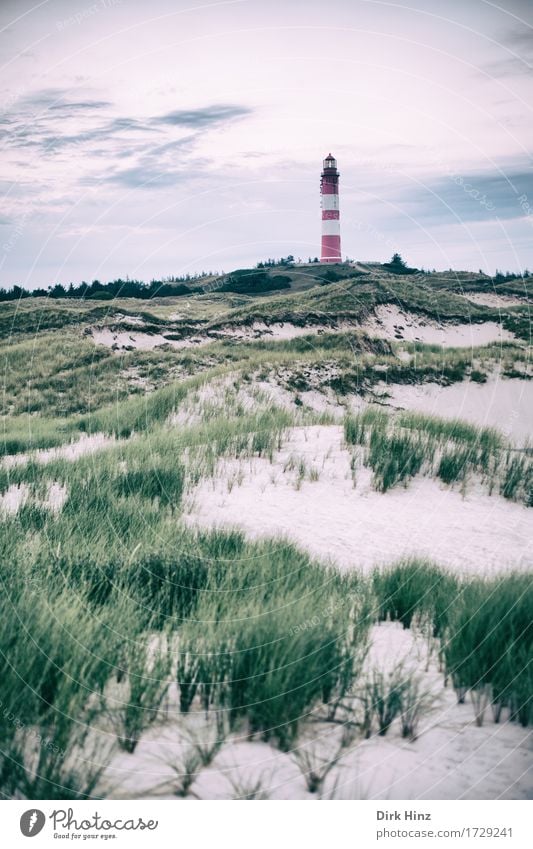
column 329, row 201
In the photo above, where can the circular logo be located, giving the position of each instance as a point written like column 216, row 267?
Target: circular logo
column 32, row 822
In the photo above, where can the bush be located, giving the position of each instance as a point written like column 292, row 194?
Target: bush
column 58, row 658
column 255, row 282
column 517, row 482
column 381, row 699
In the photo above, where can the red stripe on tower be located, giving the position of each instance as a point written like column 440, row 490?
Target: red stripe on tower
column 329, row 201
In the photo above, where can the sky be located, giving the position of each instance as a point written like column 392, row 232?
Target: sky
column 155, row 138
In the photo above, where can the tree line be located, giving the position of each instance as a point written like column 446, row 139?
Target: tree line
column 174, row 286
column 96, row 290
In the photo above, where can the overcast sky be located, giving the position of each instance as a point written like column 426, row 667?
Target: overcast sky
column 158, row 137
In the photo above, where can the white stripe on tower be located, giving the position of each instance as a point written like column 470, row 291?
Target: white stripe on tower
column 330, row 228
column 329, row 192
column 330, row 201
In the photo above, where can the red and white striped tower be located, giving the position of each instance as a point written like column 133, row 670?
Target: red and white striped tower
column 329, row 201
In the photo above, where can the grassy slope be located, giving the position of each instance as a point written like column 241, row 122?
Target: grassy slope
column 267, row 642
column 311, row 299
column 52, row 373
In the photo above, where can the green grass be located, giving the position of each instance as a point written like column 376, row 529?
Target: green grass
column 488, row 643
column 271, row 638
column 398, row 447
column 264, row 634
column 108, row 602
column 415, row 589
column 394, row 459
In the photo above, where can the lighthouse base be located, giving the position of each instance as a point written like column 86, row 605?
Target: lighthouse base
column 331, row 249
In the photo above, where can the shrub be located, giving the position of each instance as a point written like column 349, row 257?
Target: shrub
column 314, row 767
column 518, row 479
column 57, row 660
column 358, row 429
column 267, row 648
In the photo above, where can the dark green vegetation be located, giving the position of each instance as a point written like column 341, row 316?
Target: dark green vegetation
column 255, row 282
column 46, row 347
column 269, row 270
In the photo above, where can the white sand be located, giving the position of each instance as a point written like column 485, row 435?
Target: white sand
column 135, row 320
column 490, row 299
column 70, row 451
column 277, row 330
column 451, row 759
column 124, row 339
column 390, row 322
column 56, row 497
column 358, row 527
column 17, row 495
column 229, row 395
column 13, row 498
column 506, row 404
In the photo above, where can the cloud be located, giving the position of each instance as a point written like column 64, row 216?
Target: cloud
column 521, row 38
column 145, row 177
column 47, row 121
column 55, row 99
column 472, row 197
column 520, row 43
column 208, row 115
